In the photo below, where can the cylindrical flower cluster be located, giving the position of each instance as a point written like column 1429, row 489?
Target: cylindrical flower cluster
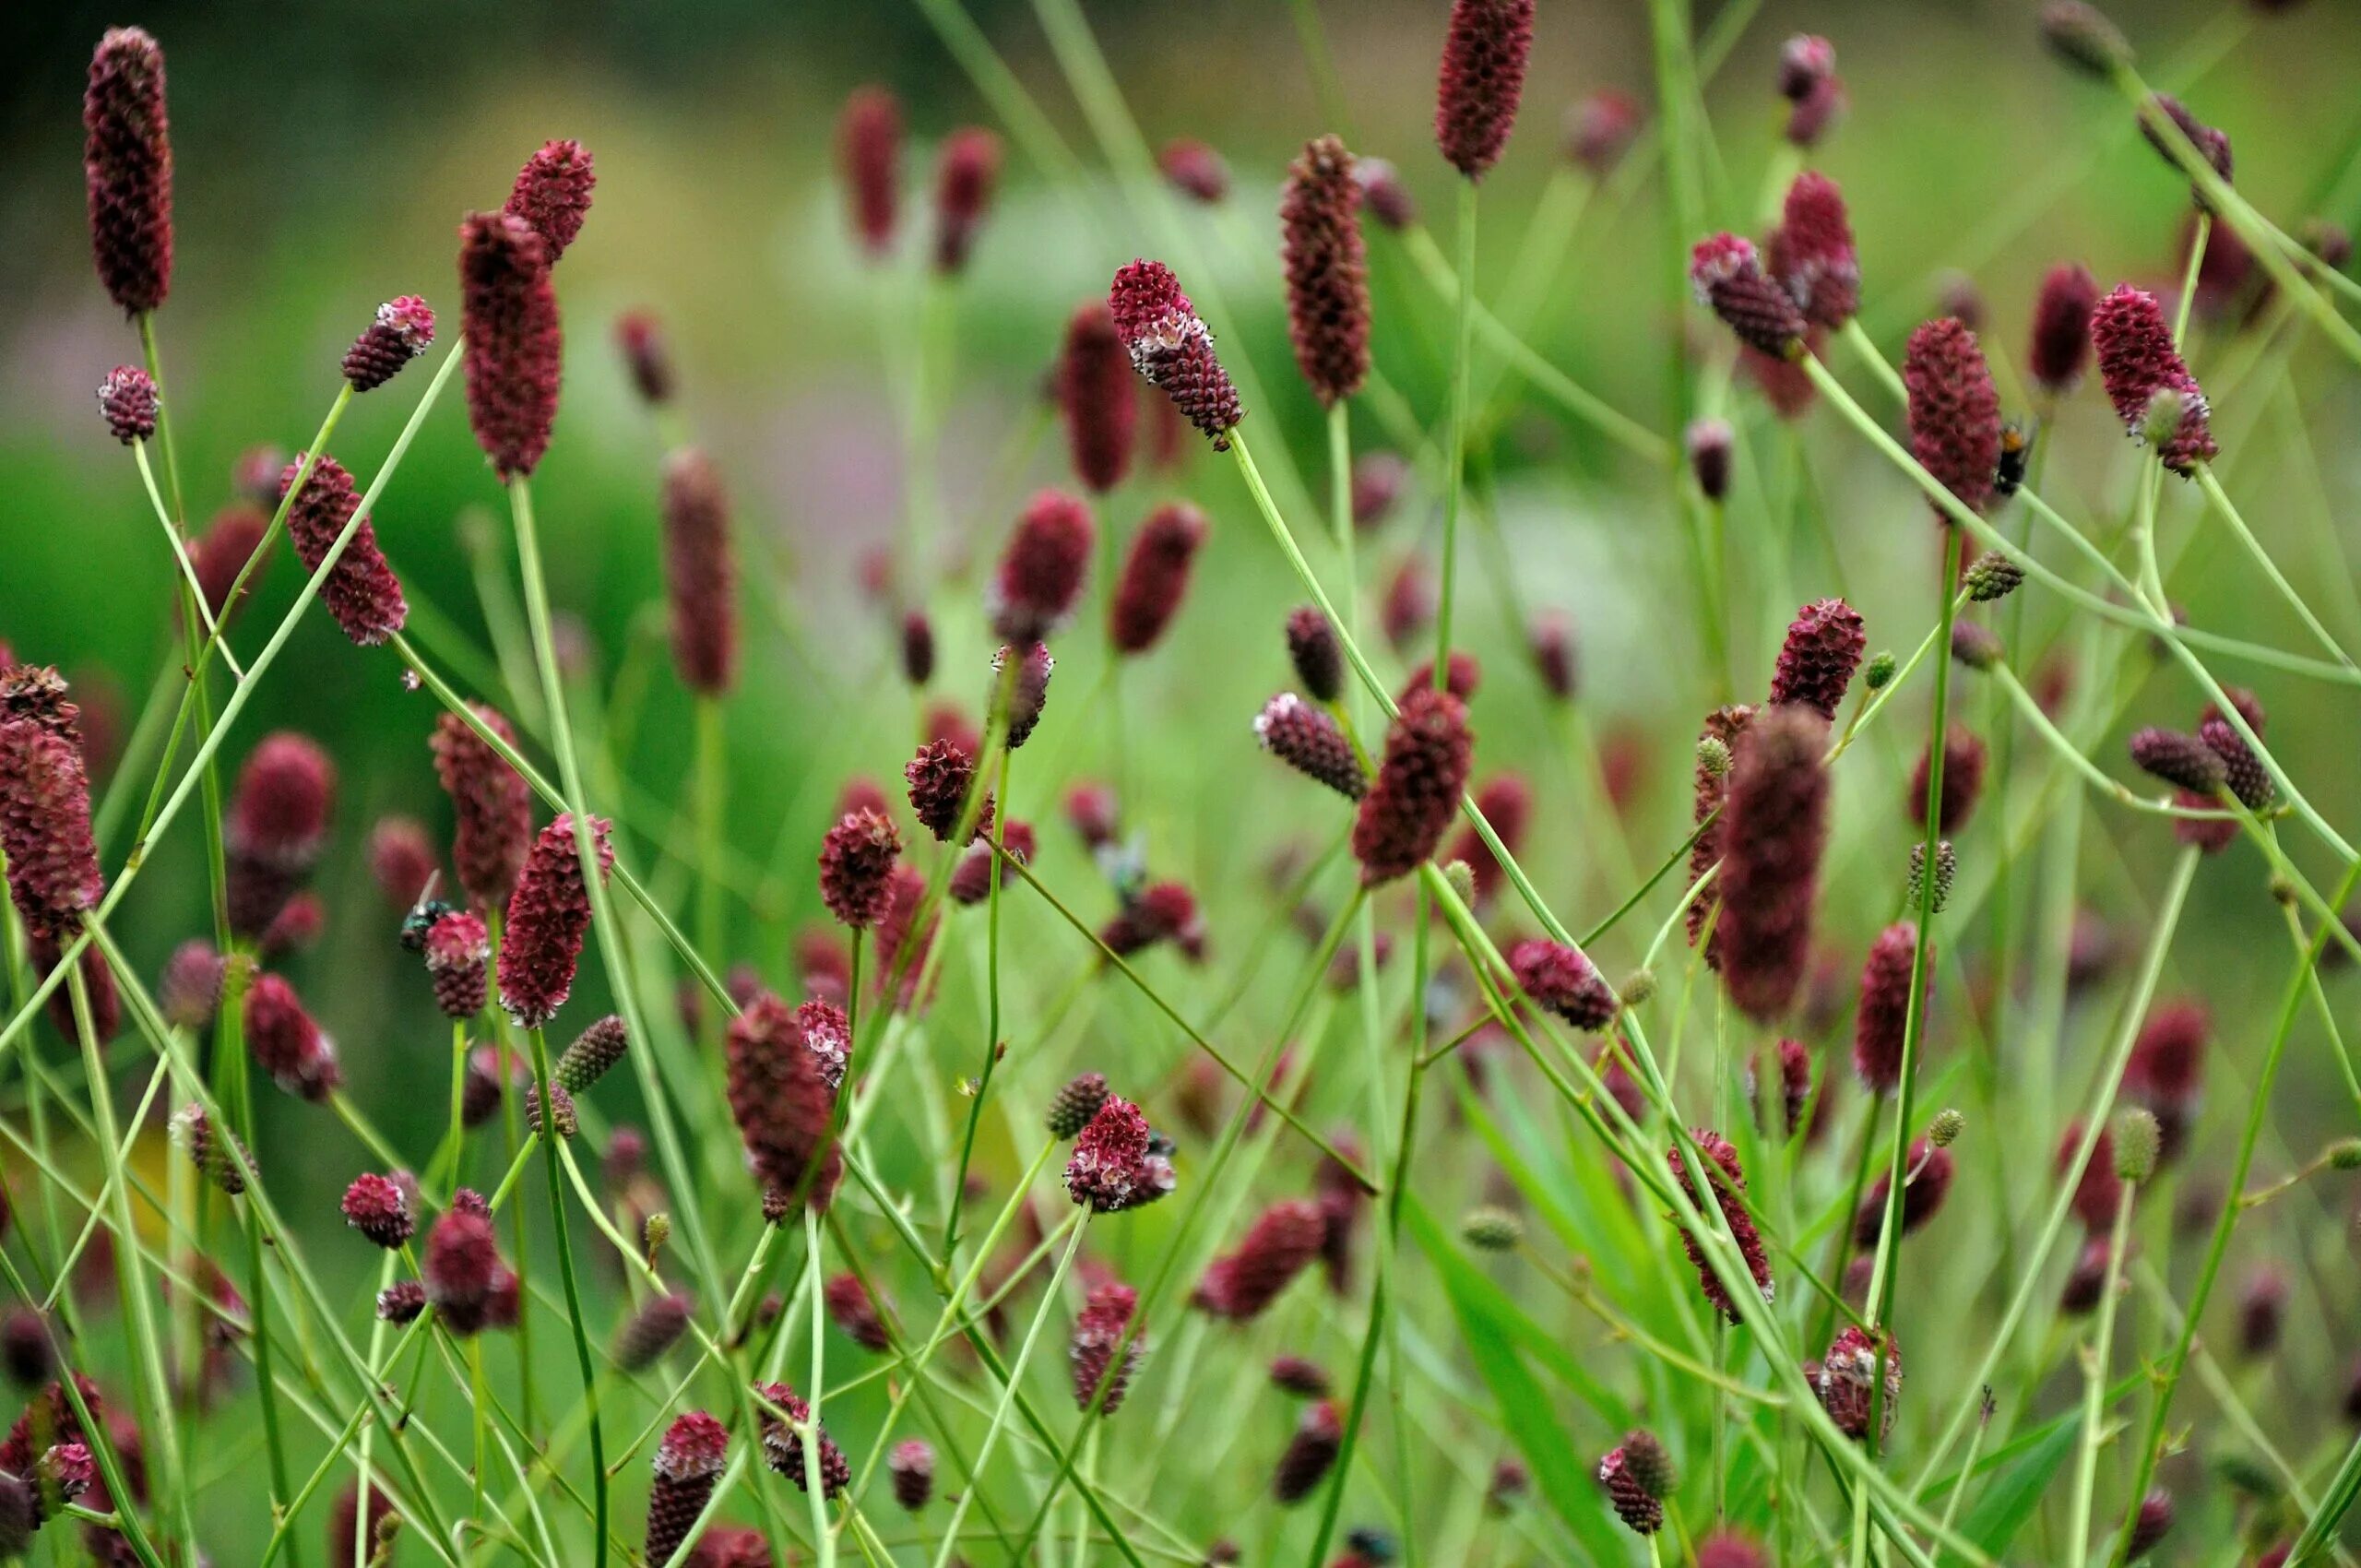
column 688, row 1464
column 360, row 590
column 515, row 348
column 700, row 574
column 965, row 170
column 1041, row 572
column 1310, row 740
column 2150, row 385
column 547, row 916
column 1428, row 754
column 1097, row 396
column 1097, row 1329
column 403, row 330
column 1774, row 825
column 869, row 156
column 1727, row 1182
column 552, row 194
column 784, row 1108
column 1879, row 1021
column 128, row 170
column 1155, row 577
column 1563, row 980
column 1955, row 410
column 1481, row 79
column 1327, row 271
column 490, row 800
column 1823, row 647
column 1282, row 1243
column 1172, row 348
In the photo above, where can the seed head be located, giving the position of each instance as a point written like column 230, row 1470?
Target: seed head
column 1954, row 411
column 287, row 1044
column 1282, row 1243
column 1772, row 830
column 2060, row 350
column 1114, row 1166
column 514, row 346
column 1172, row 348
column 1562, row 980
column 783, row 1442
column 1155, row 577
column 128, row 170
column 1879, row 1021
column 965, row 170
column 491, row 802
column 2137, row 361
column 851, row 1310
column 1962, row 783
column 2083, row 38
column 1327, row 271
column 1812, row 254
column 593, row 1052
column 688, row 1465
column 360, row 590
column 2178, row 759
column 1848, row 1380
column 1097, row 397
column 1309, row 740
column 1599, row 130
column 783, row 1106
column 869, row 158
column 700, row 573
column 378, row 1206
column 1484, row 53
column 1992, row 575
column 127, row 399
column 1105, row 1315
column 1428, row 754
column 1926, row 1181
column 648, row 355
column 1031, row 692
column 1194, row 169
column 45, row 826
column 1816, row 663
column 1727, row 1182
column 1319, row 1438
column 548, row 915
column 210, row 1148
column 459, row 949
column 912, row 1467
column 1075, row 1103
column 1319, row 659
column 1946, row 868
column 855, row 860
column 1727, row 275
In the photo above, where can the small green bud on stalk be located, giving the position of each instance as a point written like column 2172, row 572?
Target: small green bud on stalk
column 1491, row 1230
column 2137, row 1141
column 1945, row 1129
column 1880, row 673
column 1462, row 878
column 1713, row 755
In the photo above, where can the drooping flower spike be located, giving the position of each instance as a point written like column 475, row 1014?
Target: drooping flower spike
column 403, row 330
column 1172, row 348
column 547, row 916
column 361, row 592
column 2150, row 385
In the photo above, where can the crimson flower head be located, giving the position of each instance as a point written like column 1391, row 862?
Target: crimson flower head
column 1824, row 644
column 1031, row 691
column 1383, row 193
column 1480, row 81
column 1727, row 1181
column 1318, row 658
column 1310, row 740
column 1638, row 1476
column 783, row 1442
column 2150, row 385
column 1954, row 411
column 646, row 354
column 1847, row 1383
column 779, row 1096
column 965, row 173
column 2061, row 349
column 286, row 793
column 1600, row 130
column 1727, row 273
column 1155, row 577
column 404, row 328
column 869, row 158
column 1709, row 444
column 128, row 170
column 459, row 949
column 45, row 826
column 688, row 1464
column 1282, row 1243
column 1310, row 1454
column 1115, row 1164
column 552, row 194
column 1097, row 395
column 378, row 1207
column 515, row 348
column 287, row 1044
column 1550, row 639
column 855, row 859
column 127, row 399
column 548, row 915
column 898, row 933
column 1162, row 911
column 851, row 1309
column 1563, row 980
column 1195, row 168
column 361, row 592
column 1328, row 270
column 493, row 803
column 700, row 573
column 1172, row 348
column 939, row 778
column 1812, row 254
column 1091, row 1349
column 1773, row 826
column 2242, row 770
column 462, row 1267
column 1880, row 1022
column 1926, row 1181
column 1041, row 572
column 1428, row 754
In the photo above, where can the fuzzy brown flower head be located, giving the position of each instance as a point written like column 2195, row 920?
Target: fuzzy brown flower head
column 689, row 1462
column 515, row 348
column 1954, row 411
column 971, row 879
column 2139, row 362
column 379, row 1208
column 869, row 158
column 1823, row 647
column 851, row 1310
column 1708, row 443
column 1194, row 169
column 1727, row 1180
column 490, row 800
column 940, row 776
column 700, row 573
column 1727, row 273
column 1299, row 1376
column 128, row 170
column 1318, row 659
column 1562, row 979
column 287, row 1044
column 1282, row 1243
column 1879, row 1021
column 210, row 1148
column 1310, row 1454
column 1626, row 1477
column 1098, row 1328
column 547, row 916
column 403, row 330
column 1309, row 740
column 593, row 1053
column 782, row 1103
column 2242, row 770
column 1109, row 1170
column 1428, row 754
column 1600, row 129
column 1031, row 692
column 127, row 399
column 1481, row 79
column 1774, row 827
column 1963, row 784
column 1848, row 1381
column 1926, row 1181
column 1075, row 1104
column 2060, row 347
column 45, row 827
column 648, row 355
column 2179, row 758
column 1172, row 348
column 1097, row 397
column 855, row 860
column 360, row 590
column 552, row 194
column 783, row 1442
column 1383, row 193
column 459, row 950
column 1811, row 254
column 1328, row 270
column 1042, row 570
column 912, row 1464
column 462, row 1267
column 965, row 170
column 1155, row 577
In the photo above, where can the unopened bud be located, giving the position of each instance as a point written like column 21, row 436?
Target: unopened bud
column 2138, row 1140
column 1993, row 576
column 1491, row 1230
column 655, row 1233
column 2343, row 1154
column 1945, row 1129
column 1637, row 987
column 1946, row 867
column 2082, row 37
column 1462, row 878
column 1879, row 671
column 1713, row 755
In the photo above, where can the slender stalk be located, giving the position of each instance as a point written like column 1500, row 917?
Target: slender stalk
column 2094, row 1434
column 548, row 1138
column 1456, row 445
column 712, row 786
column 824, row 1537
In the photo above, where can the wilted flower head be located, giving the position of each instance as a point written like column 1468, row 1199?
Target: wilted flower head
column 1727, row 272
column 552, row 194
column 128, row 170
column 965, row 173
column 1041, row 572
column 2141, row 365
column 127, row 399
column 1847, row 1385
column 490, row 800
column 1282, row 1243
column 1172, row 348
column 700, row 573
column 1481, row 79
column 1097, row 397
column 403, row 330
column 1774, row 827
column 1812, row 254
column 1327, row 271
column 548, row 915
column 360, row 590
column 514, row 346
column 869, row 156
column 1194, row 169
column 1954, row 411
column 1428, row 754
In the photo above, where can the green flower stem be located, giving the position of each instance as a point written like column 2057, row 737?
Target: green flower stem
column 712, row 788
column 993, row 1042
column 549, row 1139
column 2208, row 483
column 825, row 1539
column 195, row 596
column 2095, row 1434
